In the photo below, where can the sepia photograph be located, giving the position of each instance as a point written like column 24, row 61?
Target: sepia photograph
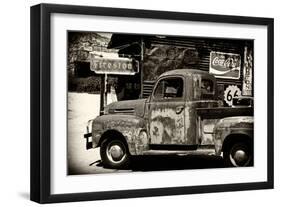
column 129, row 103
column 142, row 102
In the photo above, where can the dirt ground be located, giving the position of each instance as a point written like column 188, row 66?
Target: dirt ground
column 83, row 107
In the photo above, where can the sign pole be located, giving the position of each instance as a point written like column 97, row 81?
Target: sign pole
column 116, row 66
column 102, row 95
column 105, row 89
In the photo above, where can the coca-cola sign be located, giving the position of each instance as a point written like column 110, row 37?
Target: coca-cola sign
column 225, row 65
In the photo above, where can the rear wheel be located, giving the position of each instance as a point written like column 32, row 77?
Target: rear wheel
column 114, row 153
column 239, row 154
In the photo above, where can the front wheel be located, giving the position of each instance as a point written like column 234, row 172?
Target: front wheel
column 239, row 154
column 114, row 154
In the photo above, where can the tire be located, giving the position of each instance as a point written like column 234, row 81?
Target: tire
column 238, row 154
column 114, row 154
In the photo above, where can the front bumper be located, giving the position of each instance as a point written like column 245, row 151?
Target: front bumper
column 88, row 135
column 89, row 140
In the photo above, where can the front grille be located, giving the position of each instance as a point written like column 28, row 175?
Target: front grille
column 124, row 111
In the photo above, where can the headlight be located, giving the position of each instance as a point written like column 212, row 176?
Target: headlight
column 89, row 125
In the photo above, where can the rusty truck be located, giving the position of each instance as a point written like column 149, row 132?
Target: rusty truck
column 183, row 113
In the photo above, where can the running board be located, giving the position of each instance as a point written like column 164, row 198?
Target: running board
column 199, row 151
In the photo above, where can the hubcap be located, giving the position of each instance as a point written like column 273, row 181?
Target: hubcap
column 239, row 157
column 115, row 153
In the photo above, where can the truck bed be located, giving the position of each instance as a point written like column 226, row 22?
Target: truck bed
column 222, row 112
column 210, row 116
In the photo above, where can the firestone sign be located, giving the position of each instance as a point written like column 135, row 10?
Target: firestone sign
column 117, row 66
column 225, row 65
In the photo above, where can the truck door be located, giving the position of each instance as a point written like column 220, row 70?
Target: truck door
column 166, row 112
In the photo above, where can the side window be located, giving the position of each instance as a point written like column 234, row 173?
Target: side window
column 169, row 88
column 207, row 87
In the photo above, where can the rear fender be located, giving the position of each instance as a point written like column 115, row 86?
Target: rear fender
column 231, row 129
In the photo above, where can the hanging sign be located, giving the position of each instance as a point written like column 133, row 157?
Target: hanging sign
column 117, row 66
column 231, row 92
column 247, row 73
column 225, row 65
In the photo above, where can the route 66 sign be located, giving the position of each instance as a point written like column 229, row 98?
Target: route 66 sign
column 231, row 92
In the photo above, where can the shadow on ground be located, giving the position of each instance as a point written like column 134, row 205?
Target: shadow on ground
column 175, row 162
column 24, row 195
column 157, row 163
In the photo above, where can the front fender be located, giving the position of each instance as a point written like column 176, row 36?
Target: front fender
column 129, row 126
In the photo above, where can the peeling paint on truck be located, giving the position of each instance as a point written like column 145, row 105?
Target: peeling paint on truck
column 128, row 125
column 171, row 121
column 166, row 127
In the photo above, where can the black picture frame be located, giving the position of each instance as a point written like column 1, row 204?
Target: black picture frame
column 41, row 96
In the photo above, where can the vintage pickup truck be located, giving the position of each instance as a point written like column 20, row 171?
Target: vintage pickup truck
column 182, row 113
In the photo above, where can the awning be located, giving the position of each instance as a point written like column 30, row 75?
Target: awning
column 119, row 41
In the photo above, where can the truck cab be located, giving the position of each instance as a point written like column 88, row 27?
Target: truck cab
column 171, row 109
column 182, row 113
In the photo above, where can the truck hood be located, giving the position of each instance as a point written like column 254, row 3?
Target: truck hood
column 133, row 107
